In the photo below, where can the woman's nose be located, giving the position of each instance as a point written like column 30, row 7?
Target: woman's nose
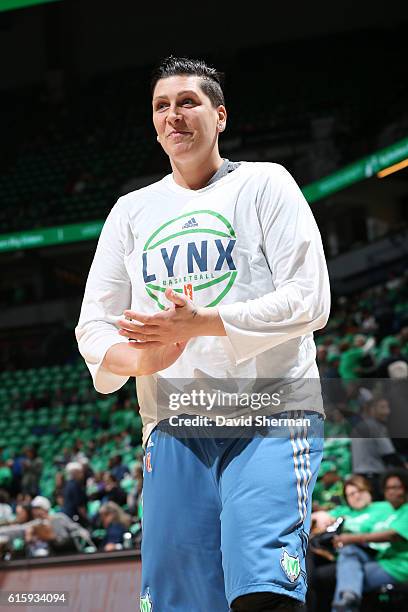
column 173, row 114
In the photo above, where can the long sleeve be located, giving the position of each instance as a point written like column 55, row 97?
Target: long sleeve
column 107, row 295
column 293, row 249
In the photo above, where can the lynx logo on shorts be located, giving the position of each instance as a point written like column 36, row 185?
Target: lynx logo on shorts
column 192, row 254
column 290, row 565
column 146, row 603
column 149, row 461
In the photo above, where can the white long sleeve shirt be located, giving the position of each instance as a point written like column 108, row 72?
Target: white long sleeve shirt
column 247, row 244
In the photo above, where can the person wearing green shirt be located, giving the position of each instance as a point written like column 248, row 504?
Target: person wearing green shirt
column 329, row 486
column 350, row 360
column 357, row 570
column 358, row 517
column 359, row 512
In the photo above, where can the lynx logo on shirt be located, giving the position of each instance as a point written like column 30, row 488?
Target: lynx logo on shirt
column 290, row 565
column 193, row 254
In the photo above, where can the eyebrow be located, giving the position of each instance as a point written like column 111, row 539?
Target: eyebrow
column 180, row 93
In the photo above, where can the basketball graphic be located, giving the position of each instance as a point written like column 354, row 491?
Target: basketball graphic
column 193, row 254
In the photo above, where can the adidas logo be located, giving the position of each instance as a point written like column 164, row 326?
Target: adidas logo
column 190, row 223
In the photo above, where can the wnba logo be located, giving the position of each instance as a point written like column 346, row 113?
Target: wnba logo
column 192, row 254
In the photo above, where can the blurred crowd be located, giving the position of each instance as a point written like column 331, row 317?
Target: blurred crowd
column 367, row 333
column 358, row 549
column 360, row 502
column 89, row 509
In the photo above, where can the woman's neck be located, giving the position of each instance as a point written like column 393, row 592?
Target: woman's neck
column 196, row 175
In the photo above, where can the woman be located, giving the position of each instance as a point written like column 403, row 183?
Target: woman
column 16, row 529
column 357, row 513
column 358, row 509
column 116, row 522
column 24, row 513
column 217, row 271
column 357, row 571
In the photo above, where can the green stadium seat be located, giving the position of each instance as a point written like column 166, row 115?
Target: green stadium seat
column 98, row 463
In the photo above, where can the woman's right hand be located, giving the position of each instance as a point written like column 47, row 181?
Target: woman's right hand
column 157, row 358
column 141, row 359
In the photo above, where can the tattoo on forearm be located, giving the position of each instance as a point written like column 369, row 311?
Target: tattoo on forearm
column 194, row 313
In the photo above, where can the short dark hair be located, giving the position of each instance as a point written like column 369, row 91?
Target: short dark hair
column 396, row 472
column 211, row 79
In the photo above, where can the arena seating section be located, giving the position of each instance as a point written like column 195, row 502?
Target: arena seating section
column 67, row 161
column 55, row 425
column 67, row 158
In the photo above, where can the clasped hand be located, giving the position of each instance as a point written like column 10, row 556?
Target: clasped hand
column 178, row 323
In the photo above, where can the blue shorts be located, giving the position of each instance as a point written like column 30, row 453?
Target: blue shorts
column 225, row 516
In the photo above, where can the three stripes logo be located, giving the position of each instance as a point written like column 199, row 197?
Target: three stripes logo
column 190, row 223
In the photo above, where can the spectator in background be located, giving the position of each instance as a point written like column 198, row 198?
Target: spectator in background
column 74, row 493
column 107, row 489
column 333, row 363
column 321, row 360
column 372, row 450
column 329, row 487
column 117, row 468
column 53, row 533
column 65, row 457
column 336, row 425
column 16, row 465
column 356, row 512
column 357, row 571
column 16, row 528
column 59, row 482
column 357, row 493
column 32, row 468
column 112, row 490
column 95, row 485
column 80, row 453
column 350, row 367
column 23, row 498
column 132, row 484
column 395, row 356
column 367, row 322
column 23, row 513
column 6, row 511
column 58, row 502
column 86, row 468
column 116, row 522
column 6, row 475
column 58, row 494
column 398, row 369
